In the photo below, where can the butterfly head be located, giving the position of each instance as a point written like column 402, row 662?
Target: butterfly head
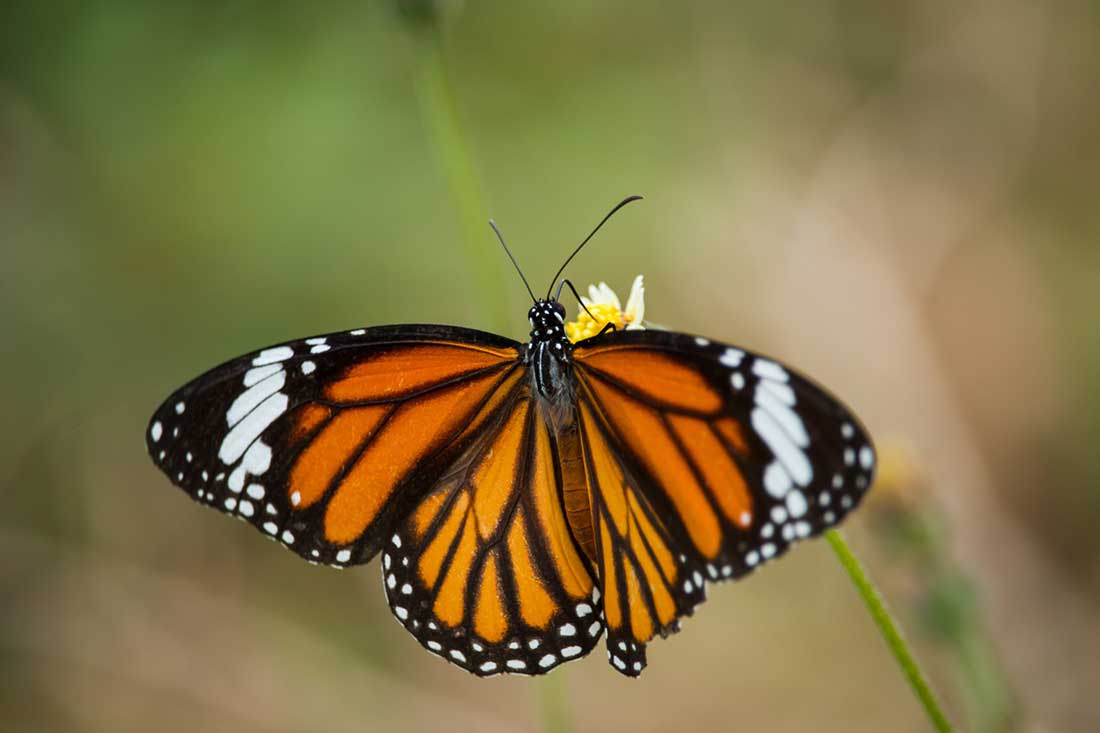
column 547, row 319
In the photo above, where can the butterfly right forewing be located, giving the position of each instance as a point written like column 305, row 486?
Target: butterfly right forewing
column 706, row 461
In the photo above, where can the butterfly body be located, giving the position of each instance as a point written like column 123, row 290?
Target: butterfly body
column 549, row 357
column 527, row 500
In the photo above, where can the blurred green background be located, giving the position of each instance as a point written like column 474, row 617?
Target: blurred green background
column 900, row 198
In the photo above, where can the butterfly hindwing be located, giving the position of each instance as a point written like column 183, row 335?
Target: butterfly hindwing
column 484, row 572
column 704, row 461
column 322, row 444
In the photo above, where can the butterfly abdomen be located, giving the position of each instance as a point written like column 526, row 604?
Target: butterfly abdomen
column 575, row 498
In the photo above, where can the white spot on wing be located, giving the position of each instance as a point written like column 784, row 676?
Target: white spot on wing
column 796, row 503
column 236, row 480
column 782, row 445
column 248, row 430
column 257, row 458
column 781, row 391
column 866, row 457
column 253, row 396
column 776, row 480
column 308, row 367
column 257, row 374
column 767, row 399
column 769, row 370
column 732, row 357
column 271, row 356
column 156, row 431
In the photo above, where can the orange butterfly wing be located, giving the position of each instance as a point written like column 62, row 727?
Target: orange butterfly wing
column 485, row 572
column 324, row 444
column 512, row 539
column 703, row 461
column 423, row 440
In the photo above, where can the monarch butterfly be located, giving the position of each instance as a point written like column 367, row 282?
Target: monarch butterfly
column 526, row 498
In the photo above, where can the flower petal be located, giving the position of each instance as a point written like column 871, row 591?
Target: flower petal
column 635, row 304
column 608, row 296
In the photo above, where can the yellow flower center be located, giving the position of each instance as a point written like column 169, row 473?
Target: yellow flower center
column 586, row 326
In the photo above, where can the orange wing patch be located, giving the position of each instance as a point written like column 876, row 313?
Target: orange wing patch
column 330, row 451
column 309, row 417
column 406, row 369
column 496, row 477
column 412, row 434
column 484, row 572
column 490, row 621
column 656, row 375
column 721, row 474
column 641, row 428
column 535, row 604
column 638, row 567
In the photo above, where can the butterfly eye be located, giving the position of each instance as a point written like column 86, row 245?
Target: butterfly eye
column 560, row 310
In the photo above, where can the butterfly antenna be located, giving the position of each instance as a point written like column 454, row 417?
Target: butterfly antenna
column 568, row 259
column 493, row 224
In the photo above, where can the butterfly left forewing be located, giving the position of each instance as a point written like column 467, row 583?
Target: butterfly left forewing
column 730, row 457
column 322, row 443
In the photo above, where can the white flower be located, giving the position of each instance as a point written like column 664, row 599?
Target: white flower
column 602, row 306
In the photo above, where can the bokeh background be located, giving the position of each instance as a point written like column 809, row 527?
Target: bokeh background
column 900, row 198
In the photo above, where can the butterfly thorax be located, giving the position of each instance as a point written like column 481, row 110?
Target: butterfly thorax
column 549, row 355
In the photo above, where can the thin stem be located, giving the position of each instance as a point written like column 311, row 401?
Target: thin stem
column 889, row 630
column 437, row 102
column 554, row 703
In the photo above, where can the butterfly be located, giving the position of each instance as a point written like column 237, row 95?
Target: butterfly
column 527, row 499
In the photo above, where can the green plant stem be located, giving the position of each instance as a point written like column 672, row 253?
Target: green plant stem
column 437, row 102
column 889, row 629
column 553, row 702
